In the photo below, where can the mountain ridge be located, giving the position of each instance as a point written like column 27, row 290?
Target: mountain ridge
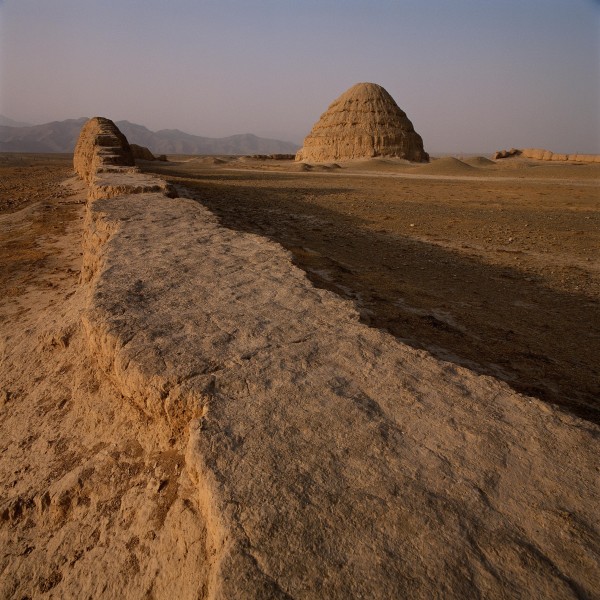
column 8, row 122
column 61, row 136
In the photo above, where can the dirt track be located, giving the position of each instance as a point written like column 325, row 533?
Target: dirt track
column 490, row 268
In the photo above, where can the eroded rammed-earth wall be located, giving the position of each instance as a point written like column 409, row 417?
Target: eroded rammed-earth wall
column 541, row 154
column 330, row 460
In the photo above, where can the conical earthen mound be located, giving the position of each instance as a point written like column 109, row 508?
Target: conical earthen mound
column 363, row 122
column 100, row 144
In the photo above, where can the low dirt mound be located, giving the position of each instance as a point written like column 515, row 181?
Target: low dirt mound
column 448, row 165
column 209, row 160
column 517, row 163
column 304, row 167
column 479, row 161
column 301, row 167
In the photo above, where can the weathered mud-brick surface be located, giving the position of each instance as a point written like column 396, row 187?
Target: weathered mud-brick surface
column 100, row 146
column 363, row 122
column 331, row 461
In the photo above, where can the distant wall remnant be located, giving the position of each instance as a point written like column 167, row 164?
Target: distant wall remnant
column 100, row 146
column 141, row 152
column 105, row 160
column 541, row 154
column 272, row 156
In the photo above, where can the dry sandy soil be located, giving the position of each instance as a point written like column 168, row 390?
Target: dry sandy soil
column 492, row 266
column 86, row 486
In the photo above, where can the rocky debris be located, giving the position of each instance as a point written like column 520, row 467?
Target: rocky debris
column 541, row 154
column 363, row 122
column 141, row 152
column 100, row 147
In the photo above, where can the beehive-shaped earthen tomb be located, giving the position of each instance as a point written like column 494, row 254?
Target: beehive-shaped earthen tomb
column 363, row 122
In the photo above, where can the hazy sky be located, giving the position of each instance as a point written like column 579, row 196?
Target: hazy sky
column 472, row 75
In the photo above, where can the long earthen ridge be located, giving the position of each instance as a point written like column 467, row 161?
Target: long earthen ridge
column 331, row 461
column 541, row 154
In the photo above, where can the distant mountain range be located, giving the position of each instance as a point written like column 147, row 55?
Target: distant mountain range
column 61, row 136
column 10, row 123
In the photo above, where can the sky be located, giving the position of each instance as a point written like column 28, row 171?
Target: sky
column 472, row 75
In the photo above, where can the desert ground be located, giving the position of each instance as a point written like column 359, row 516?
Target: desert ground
column 492, row 268
column 495, row 266
column 80, row 469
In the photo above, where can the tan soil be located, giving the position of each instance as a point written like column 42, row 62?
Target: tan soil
column 27, row 178
column 91, row 503
column 323, row 458
column 499, row 270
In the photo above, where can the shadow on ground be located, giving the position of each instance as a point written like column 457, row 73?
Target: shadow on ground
column 493, row 319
